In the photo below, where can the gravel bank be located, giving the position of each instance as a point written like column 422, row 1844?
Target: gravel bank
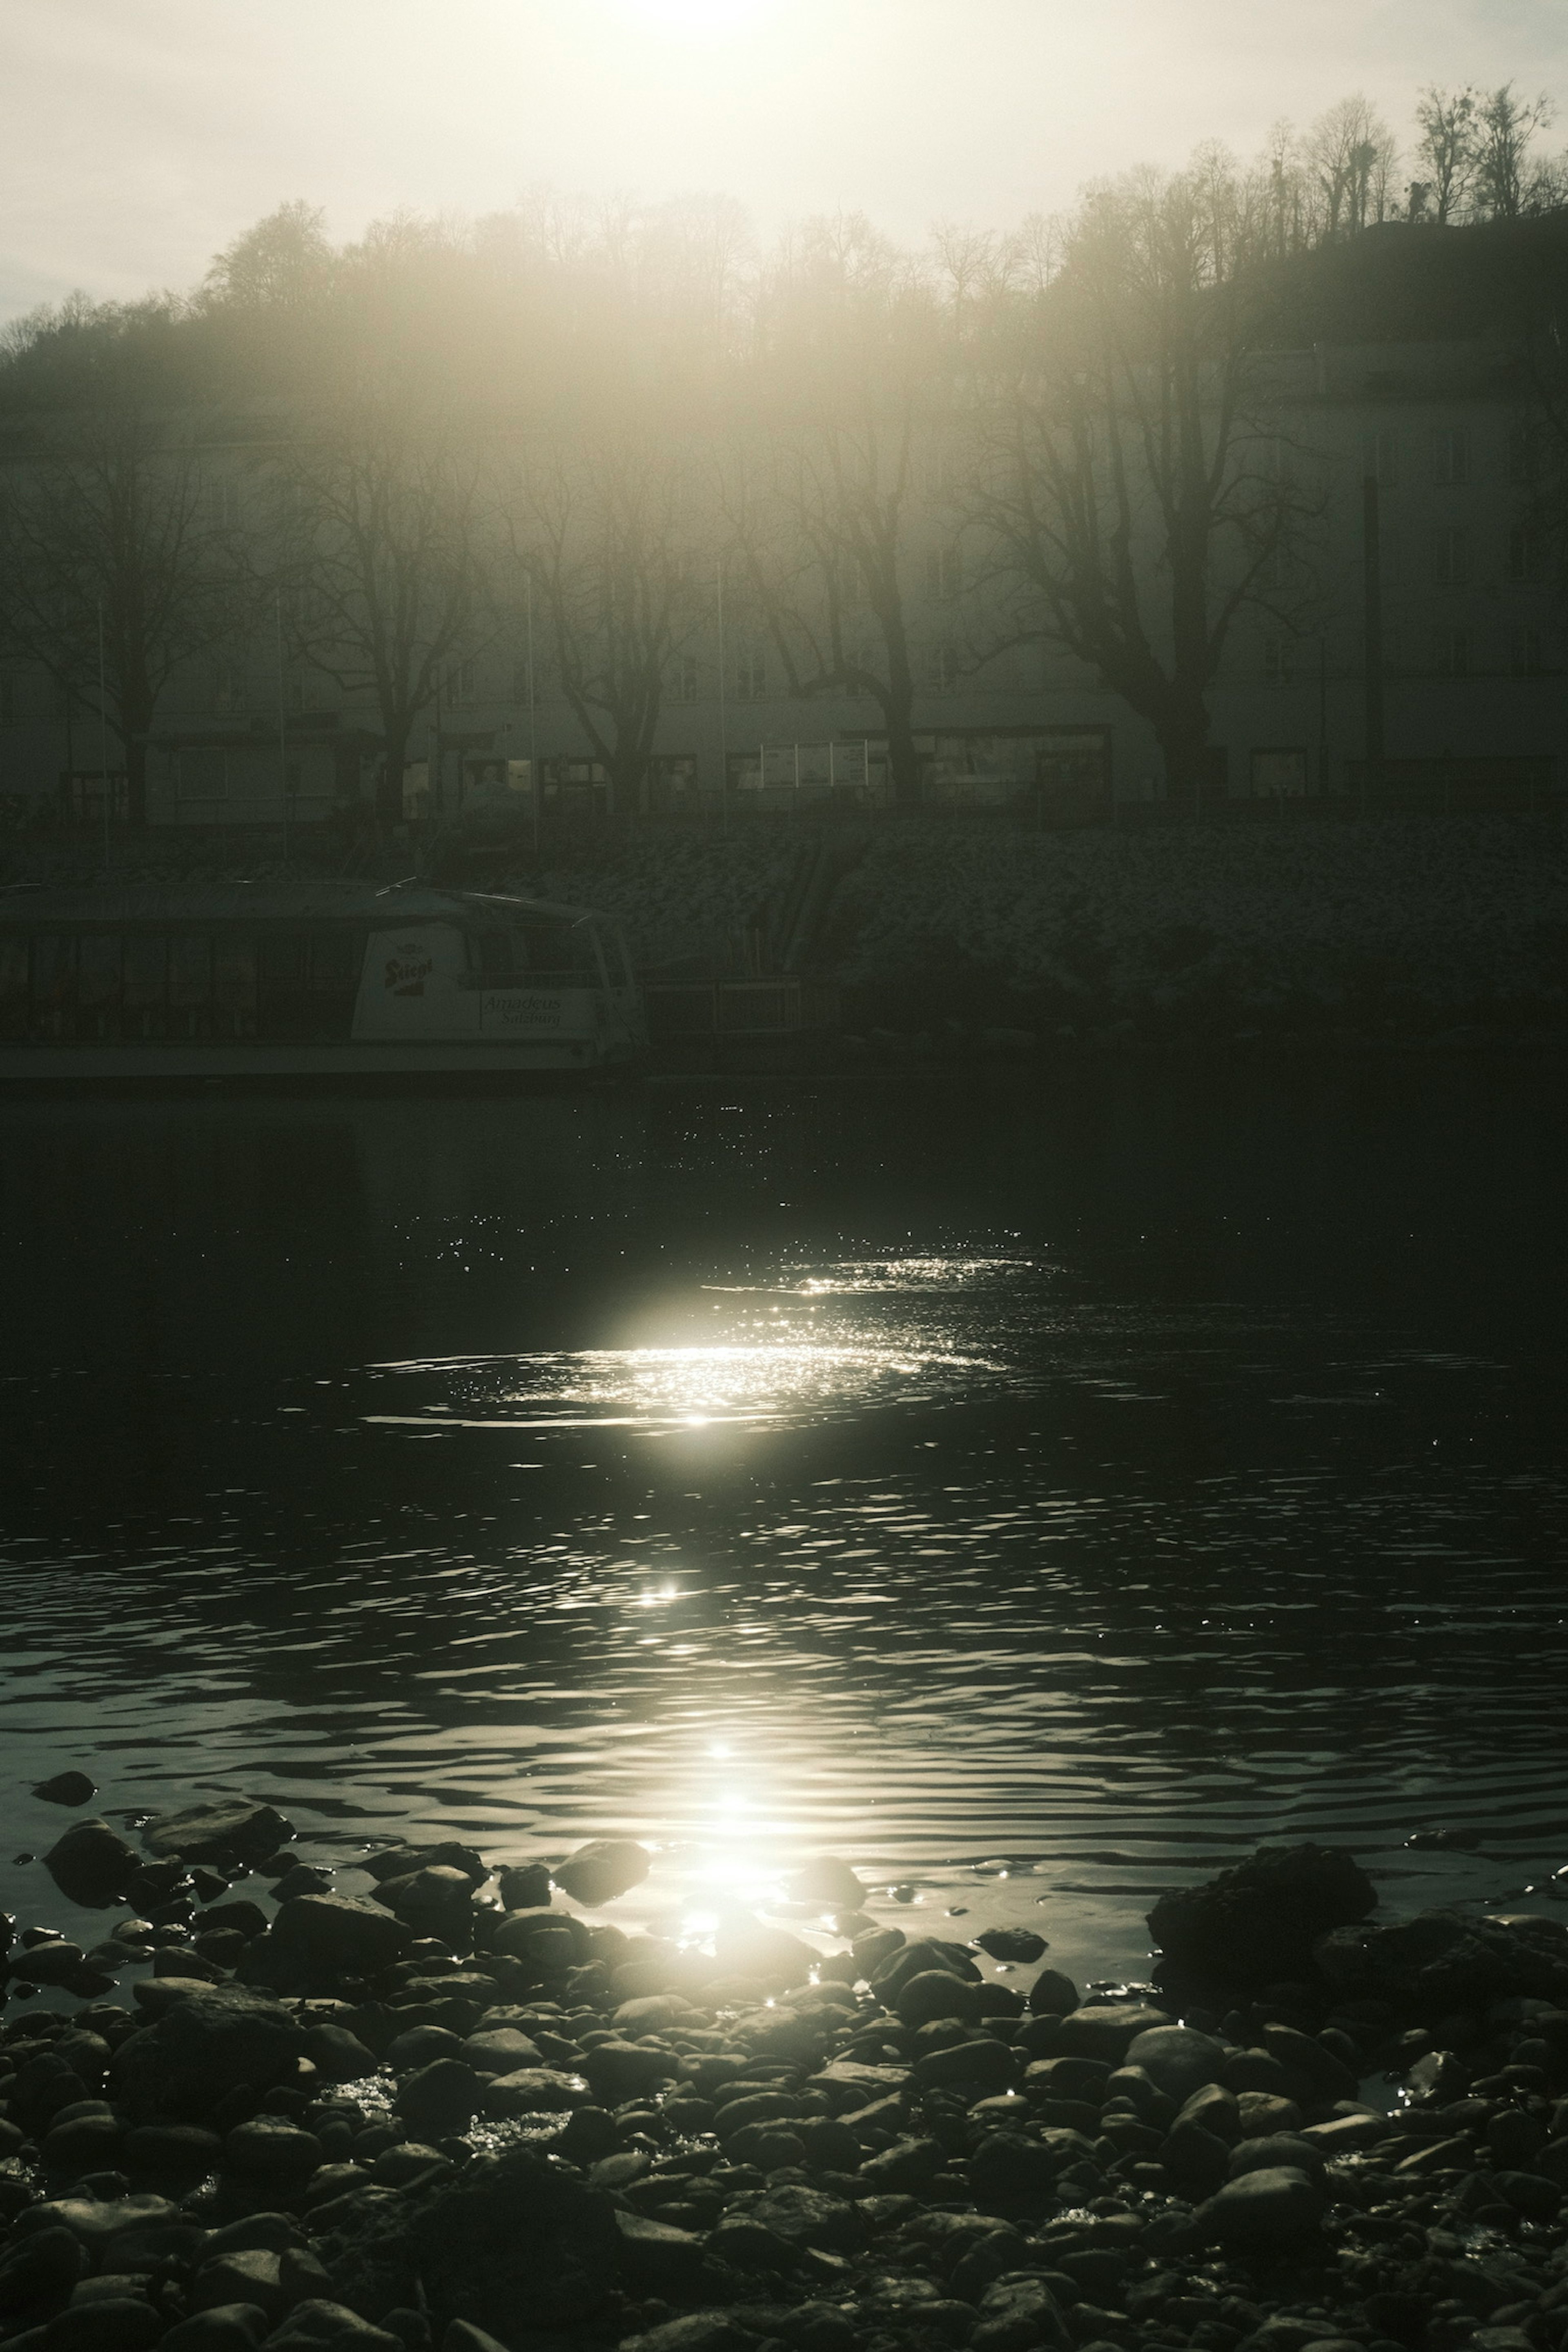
column 465, row 2109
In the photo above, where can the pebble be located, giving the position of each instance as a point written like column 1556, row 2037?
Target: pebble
column 542, row 2115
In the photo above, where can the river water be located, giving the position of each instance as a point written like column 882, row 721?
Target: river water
column 1038, row 1499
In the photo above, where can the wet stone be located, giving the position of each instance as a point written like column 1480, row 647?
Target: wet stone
column 66, row 1789
column 603, row 1869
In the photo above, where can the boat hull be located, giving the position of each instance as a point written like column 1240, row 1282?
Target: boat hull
column 403, row 1062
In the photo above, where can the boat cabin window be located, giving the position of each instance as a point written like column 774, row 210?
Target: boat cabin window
column 155, row 986
column 538, row 955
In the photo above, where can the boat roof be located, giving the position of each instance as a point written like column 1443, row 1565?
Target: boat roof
column 392, row 904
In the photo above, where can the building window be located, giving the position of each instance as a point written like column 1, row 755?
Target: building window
column 1451, row 558
column 1524, row 653
column 1451, row 652
column 751, row 678
column 1524, row 553
column 200, row 775
column 1279, row 661
column 1279, row 775
column 1380, row 460
column 942, row 668
column 1451, row 456
column 228, row 686
column 457, row 687
column 683, row 678
column 944, row 572
column 1523, row 453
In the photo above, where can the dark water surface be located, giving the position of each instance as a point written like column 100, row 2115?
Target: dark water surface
column 1079, row 1488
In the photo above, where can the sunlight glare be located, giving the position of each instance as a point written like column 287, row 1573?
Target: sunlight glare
column 699, row 19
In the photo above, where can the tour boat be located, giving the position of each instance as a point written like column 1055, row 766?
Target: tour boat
column 332, row 980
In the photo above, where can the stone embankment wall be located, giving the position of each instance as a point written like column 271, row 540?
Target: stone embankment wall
column 1405, row 924
column 1396, row 918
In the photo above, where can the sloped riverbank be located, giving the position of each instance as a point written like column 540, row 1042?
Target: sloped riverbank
column 447, row 2110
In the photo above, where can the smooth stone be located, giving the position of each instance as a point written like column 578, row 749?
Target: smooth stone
column 403, row 1861
column 1178, row 2059
column 221, row 1828
column 618, row 2071
column 126, row 2323
column 441, row 2098
column 534, row 2091
column 1279, row 2148
column 66, row 1789
column 934, row 1993
column 603, row 1869
column 523, row 1886
column 313, row 2326
column 1019, row 2312
column 335, row 1935
column 92, row 1865
column 225, row 2328
column 210, row 2040
column 1279, row 2205
column 273, row 2148
column 1020, row 1945
column 503, row 2051
column 827, row 1880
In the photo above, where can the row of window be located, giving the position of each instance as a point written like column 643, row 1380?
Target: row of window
column 150, row 987
column 1444, row 457
column 1453, row 556
column 1443, row 653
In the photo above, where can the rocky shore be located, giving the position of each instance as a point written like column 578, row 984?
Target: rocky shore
column 463, row 2110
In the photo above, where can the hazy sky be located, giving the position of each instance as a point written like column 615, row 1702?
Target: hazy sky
column 138, row 136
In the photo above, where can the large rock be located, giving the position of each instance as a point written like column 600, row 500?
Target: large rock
column 318, row 1939
column 889, row 1977
column 549, row 1942
column 810, row 2217
column 92, row 1865
column 657, row 2259
column 66, row 1789
column 1443, row 1960
column 620, row 2071
column 1109, row 2029
column 535, row 2091
column 211, row 2042
column 771, row 1956
column 435, row 1901
column 508, row 2235
column 1257, row 1923
column 403, row 1861
column 827, row 1880
column 224, row 1828
column 320, row 2327
column 1276, row 2208
column 603, row 1869
column 1017, row 2312
column 440, row 2098
column 38, row 2272
column 1176, row 2059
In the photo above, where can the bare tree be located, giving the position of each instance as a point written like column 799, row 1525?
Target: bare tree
column 820, row 513
column 1352, row 154
column 379, row 555
column 1446, row 150
column 1506, row 127
column 1134, row 484
column 607, row 530
column 116, row 563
